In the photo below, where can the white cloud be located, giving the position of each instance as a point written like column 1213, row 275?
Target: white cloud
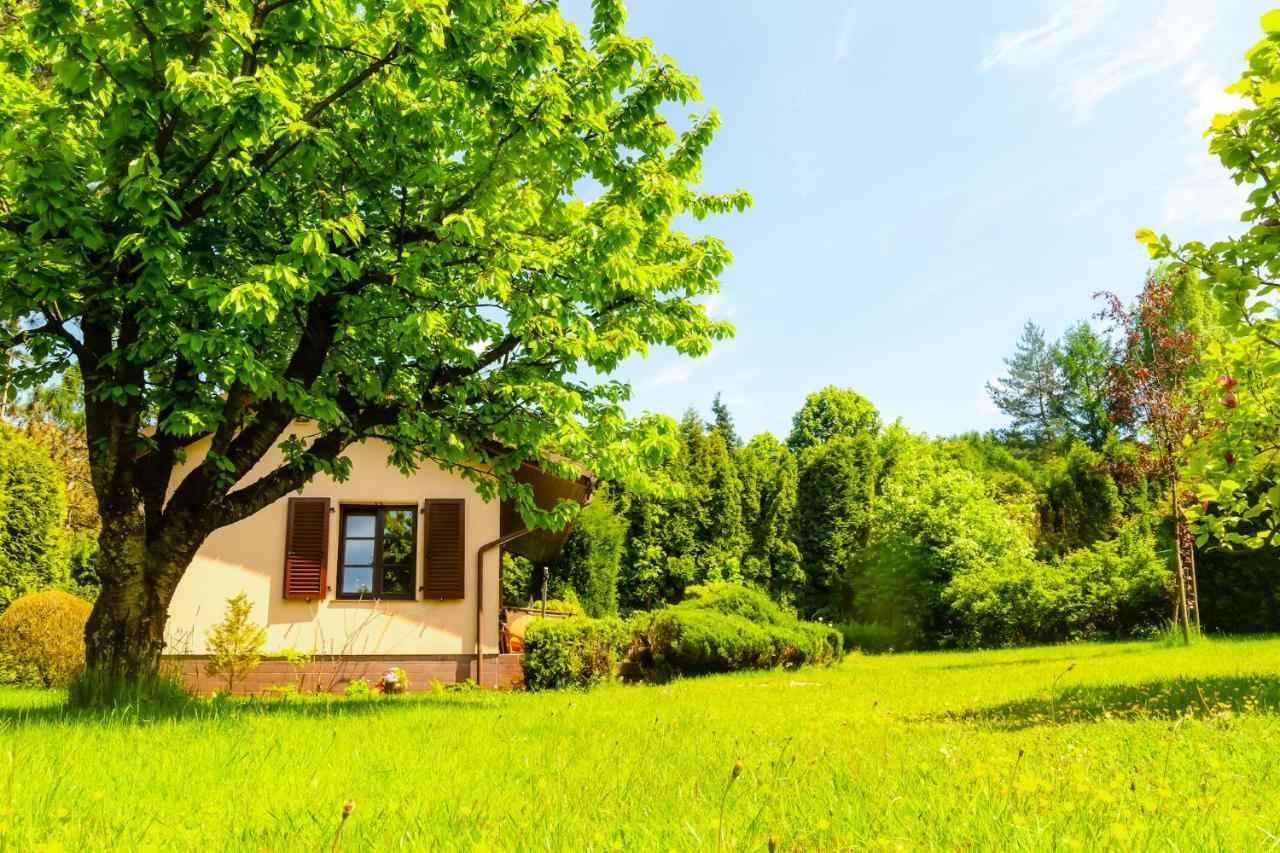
column 1070, row 22
column 1170, row 41
column 1094, row 56
column 1207, row 96
column 673, row 375
column 715, row 305
column 1204, row 197
column 844, row 35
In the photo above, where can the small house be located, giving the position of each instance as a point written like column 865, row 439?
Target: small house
column 354, row 579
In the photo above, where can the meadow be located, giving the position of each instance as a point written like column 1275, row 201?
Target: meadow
column 1133, row 745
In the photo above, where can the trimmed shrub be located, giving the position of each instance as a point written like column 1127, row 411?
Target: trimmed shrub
column 725, row 628
column 42, row 639
column 737, row 600
column 573, row 652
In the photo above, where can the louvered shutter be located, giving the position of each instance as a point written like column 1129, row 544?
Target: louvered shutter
column 444, row 549
column 306, row 549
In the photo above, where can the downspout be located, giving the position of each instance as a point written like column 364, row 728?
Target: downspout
column 488, row 546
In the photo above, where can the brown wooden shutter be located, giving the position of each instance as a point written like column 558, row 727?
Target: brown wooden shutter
column 444, row 548
column 306, row 549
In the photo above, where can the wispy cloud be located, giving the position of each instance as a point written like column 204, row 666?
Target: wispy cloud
column 673, row 375
column 844, row 35
column 1070, row 22
column 1171, row 41
column 1086, row 207
column 1207, row 96
column 1094, row 56
column 1201, row 198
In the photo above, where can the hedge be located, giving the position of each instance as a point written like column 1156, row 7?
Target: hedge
column 573, row 652
column 721, row 628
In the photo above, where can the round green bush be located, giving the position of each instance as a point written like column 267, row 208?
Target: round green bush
column 42, row 638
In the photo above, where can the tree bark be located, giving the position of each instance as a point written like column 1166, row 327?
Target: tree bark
column 125, row 634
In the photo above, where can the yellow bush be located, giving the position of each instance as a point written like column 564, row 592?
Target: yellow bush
column 42, row 638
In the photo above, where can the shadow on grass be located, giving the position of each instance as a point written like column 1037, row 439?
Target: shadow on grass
column 198, row 708
column 1213, row 698
column 1110, row 650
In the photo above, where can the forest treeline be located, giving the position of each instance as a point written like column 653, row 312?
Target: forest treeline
column 1053, row 528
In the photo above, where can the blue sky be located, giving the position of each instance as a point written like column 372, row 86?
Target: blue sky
column 929, row 176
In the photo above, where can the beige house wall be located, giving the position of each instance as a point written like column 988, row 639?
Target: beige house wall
column 249, row 556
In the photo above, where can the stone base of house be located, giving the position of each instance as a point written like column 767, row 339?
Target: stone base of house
column 332, row 673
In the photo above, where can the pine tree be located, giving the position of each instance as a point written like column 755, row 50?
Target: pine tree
column 1031, row 393
column 722, row 423
column 235, row 643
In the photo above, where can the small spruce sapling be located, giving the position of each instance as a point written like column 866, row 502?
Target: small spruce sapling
column 235, row 643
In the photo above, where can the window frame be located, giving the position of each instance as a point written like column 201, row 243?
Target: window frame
column 378, row 510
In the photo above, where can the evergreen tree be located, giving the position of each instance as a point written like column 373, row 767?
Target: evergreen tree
column 722, row 423
column 769, row 478
column 32, row 509
column 1031, row 393
column 593, row 554
column 833, row 515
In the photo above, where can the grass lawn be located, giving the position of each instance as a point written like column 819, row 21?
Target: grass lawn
column 1136, row 746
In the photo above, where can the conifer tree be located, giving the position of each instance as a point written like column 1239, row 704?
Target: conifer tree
column 235, row 643
column 1031, row 392
column 722, row 423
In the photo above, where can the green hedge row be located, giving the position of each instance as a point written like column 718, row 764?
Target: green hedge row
column 573, row 652
column 722, row 628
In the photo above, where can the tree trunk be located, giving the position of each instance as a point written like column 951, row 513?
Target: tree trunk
column 1184, row 617
column 124, row 637
column 125, row 634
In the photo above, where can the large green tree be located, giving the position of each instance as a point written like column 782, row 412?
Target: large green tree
column 423, row 221
column 829, row 413
column 769, row 479
column 1233, row 466
column 1031, row 391
column 1083, row 359
column 834, row 502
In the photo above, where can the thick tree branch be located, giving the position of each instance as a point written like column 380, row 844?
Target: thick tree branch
column 266, row 158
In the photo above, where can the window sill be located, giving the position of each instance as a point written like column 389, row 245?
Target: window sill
column 373, row 598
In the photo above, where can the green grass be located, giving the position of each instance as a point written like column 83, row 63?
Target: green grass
column 1136, row 746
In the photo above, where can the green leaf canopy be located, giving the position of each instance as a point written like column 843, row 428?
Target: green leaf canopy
column 435, row 223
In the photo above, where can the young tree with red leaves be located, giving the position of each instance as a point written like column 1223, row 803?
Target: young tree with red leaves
column 1149, row 389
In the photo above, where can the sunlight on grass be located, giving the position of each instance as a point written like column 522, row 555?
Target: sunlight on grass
column 1070, row 747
